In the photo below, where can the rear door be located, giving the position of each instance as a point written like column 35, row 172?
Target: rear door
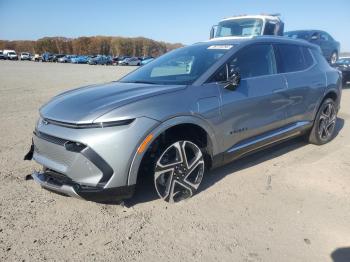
column 259, row 102
column 305, row 81
column 326, row 45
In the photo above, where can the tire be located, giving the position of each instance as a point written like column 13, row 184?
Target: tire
column 323, row 129
column 178, row 170
column 334, row 58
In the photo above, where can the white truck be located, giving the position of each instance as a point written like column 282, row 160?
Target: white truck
column 10, row 54
column 248, row 26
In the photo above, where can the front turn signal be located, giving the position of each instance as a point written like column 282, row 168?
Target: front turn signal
column 144, row 144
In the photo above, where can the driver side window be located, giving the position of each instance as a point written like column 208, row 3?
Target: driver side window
column 252, row 61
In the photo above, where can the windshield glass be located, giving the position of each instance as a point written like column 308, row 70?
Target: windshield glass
column 298, row 34
column 240, row 27
column 180, row 67
column 11, row 53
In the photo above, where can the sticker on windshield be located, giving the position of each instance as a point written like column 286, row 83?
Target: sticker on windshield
column 225, row 47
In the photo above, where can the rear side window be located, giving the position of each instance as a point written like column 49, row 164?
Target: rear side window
column 293, row 58
column 308, row 60
column 255, row 60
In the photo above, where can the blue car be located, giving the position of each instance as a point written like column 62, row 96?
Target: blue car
column 47, row 57
column 330, row 48
column 79, row 59
column 100, row 60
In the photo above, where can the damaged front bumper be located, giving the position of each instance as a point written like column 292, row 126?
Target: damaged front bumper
column 62, row 184
column 58, row 183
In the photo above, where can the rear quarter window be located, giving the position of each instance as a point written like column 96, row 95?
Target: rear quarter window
column 308, row 60
column 291, row 58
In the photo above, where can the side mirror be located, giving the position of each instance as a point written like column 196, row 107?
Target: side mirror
column 314, row 37
column 212, row 31
column 233, row 80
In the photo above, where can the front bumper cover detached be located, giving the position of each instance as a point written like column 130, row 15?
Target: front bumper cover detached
column 51, row 180
column 61, row 184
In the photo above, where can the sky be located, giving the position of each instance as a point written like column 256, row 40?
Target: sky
column 183, row 21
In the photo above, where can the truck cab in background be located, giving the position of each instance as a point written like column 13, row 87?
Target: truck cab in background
column 247, row 26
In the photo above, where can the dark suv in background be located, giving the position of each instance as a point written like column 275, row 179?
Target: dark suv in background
column 330, row 48
column 343, row 65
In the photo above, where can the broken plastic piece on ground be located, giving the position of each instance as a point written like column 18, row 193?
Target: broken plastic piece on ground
column 28, row 177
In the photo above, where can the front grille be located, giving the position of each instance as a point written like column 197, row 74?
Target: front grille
column 49, row 138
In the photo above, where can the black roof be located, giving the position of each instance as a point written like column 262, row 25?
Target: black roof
column 257, row 39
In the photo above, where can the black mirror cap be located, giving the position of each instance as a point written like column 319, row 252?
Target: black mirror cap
column 211, row 36
column 212, row 31
column 233, row 80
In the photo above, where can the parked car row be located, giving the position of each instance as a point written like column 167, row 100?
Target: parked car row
column 77, row 59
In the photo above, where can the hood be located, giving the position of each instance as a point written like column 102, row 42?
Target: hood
column 84, row 105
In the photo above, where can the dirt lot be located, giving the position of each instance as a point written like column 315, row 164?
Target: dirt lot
column 288, row 203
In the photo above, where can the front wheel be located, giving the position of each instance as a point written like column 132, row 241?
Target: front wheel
column 324, row 125
column 179, row 171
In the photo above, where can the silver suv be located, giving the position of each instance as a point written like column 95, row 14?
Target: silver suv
column 192, row 109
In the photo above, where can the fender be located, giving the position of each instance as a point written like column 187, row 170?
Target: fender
column 326, row 93
column 331, row 87
column 190, row 119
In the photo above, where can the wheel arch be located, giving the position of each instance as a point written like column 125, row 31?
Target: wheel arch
column 182, row 123
column 330, row 93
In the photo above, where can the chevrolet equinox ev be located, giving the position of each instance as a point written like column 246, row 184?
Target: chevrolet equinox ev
column 192, row 109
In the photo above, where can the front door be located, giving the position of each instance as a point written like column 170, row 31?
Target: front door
column 259, row 103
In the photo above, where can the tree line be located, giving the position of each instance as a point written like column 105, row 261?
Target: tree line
column 94, row 45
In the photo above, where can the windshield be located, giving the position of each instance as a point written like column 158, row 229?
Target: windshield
column 298, row 34
column 240, row 27
column 11, row 53
column 180, row 67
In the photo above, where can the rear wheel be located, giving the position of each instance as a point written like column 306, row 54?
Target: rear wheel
column 179, row 171
column 324, row 126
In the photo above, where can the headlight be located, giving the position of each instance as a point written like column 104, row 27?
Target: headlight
column 39, row 122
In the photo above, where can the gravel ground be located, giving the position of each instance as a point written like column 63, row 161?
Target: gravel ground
column 288, row 203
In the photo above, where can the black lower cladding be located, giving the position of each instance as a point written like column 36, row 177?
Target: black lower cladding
column 265, row 143
column 90, row 193
column 96, row 194
column 86, row 151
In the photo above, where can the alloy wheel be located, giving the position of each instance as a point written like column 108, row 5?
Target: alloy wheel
column 179, row 171
column 327, row 122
